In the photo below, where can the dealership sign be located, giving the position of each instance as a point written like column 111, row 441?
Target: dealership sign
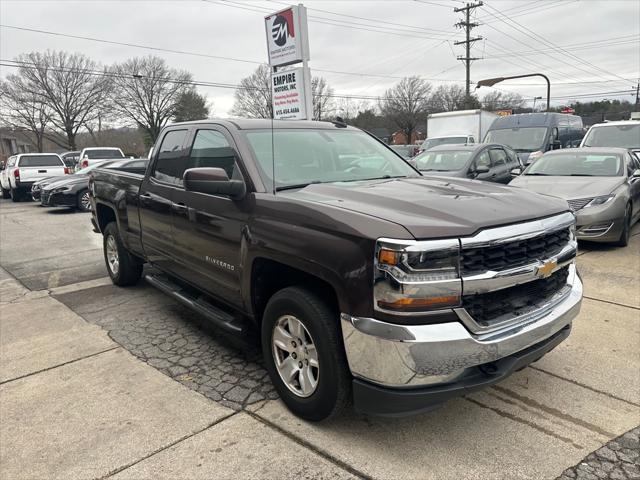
column 288, row 90
column 287, row 39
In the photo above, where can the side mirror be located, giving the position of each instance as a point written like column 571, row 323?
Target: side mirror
column 516, row 171
column 481, row 169
column 213, row 181
column 556, row 145
column 636, row 173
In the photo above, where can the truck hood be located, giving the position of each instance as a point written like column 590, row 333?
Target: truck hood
column 568, row 188
column 69, row 181
column 432, row 207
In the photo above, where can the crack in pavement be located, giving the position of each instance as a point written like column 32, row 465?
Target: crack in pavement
column 611, row 302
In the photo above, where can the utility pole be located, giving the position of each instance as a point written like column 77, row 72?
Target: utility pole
column 638, row 97
column 468, row 25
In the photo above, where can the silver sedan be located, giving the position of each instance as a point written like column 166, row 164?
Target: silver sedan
column 601, row 185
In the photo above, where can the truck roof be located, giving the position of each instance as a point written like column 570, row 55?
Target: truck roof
column 266, row 123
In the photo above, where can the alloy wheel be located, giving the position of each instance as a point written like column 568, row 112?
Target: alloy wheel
column 295, row 355
column 85, row 201
column 113, row 259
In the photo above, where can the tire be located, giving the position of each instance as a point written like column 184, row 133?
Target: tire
column 124, row 269
column 6, row 193
column 625, row 235
column 332, row 390
column 15, row 195
column 83, row 201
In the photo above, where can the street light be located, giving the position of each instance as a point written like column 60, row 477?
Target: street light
column 534, row 102
column 490, row 82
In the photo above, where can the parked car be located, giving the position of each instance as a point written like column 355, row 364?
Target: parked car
column 471, row 124
column 352, row 274
column 73, row 191
column 482, row 161
column 37, row 186
column 624, row 134
column 602, row 186
column 532, row 134
column 461, row 139
column 405, row 151
column 93, row 155
column 71, row 159
column 21, row 171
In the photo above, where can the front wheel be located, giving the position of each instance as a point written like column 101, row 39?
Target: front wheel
column 83, row 201
column 123, row 268
column 304, row 354
column 625, row 235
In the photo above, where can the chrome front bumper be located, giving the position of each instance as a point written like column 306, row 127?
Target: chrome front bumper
column 422, row 355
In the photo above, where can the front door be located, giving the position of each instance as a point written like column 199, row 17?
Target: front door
column 155, row 199
column 499, row 168
column 208, row 229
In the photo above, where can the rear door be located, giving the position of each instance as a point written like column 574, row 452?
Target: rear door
column 208, row 229
column 156, row 194
column 37, row 167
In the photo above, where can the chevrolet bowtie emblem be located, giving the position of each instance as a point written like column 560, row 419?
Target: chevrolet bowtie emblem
column 546, row 269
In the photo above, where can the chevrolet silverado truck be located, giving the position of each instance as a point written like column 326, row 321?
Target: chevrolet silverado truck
column 367, row 282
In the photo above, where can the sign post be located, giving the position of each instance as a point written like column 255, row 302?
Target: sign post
column 288, row 44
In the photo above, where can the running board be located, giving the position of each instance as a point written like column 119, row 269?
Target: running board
column 215, row 315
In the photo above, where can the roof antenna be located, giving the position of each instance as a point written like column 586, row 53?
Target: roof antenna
column 340, row 123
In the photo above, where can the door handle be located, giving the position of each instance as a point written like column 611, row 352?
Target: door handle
column 180, row 207
column 145, row 195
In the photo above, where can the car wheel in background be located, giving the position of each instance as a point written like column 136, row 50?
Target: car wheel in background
column 6, row 193
column 626, row 229
column 84, row 201
column 304, row 354
column 124, row 269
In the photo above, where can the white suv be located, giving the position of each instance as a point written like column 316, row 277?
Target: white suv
column 23, row 170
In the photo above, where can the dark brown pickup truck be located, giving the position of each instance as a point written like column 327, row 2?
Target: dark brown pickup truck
column 367, row 281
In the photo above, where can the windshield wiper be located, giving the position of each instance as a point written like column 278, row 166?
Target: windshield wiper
column 384, row 177
column 580, row 175
column 434, row 170
column 297, row 185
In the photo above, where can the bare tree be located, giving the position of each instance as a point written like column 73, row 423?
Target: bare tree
column 70, row 85
column 252, row 98
column 502, row 100
column 447, row 98
column 348, row 108
column 406, row 104
column 322, row 94
column 146, row 92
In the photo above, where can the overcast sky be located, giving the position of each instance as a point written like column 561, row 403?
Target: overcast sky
column 593, row 42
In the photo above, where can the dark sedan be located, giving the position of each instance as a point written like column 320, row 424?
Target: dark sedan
column 483, row 161
column 38, row 186
column 73, row 190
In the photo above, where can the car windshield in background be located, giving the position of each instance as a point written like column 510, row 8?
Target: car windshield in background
column 404, row 151
column 624, row 136
column 521, row 139
column 102, row 154
column 305, row 156
column 86, row 170
column 40, row 161
column 434, row 142
column 577, row 165
column 447, row 161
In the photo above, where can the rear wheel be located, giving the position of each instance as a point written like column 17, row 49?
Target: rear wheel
column 6, row 193
column 304, row 354
column 124, row 269
column 84, row 201
column 623, row 241
column 15, row 194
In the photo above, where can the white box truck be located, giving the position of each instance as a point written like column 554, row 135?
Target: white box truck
column 464, row 126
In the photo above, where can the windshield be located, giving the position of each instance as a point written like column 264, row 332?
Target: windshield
column 304, row 156
column 40, row 161
column 434, row 142
column 521, row 139
column 625, row 136
column 578, row 165
column 445, row 161
column 103, row 153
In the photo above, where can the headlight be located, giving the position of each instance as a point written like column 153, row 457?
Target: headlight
column 599, row 201
column 61, row 189
column 416, row 276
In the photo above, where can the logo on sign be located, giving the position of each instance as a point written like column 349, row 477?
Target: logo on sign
column 282, row 28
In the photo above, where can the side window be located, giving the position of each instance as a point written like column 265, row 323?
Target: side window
column 471, row 140
column 483, row 160
column 498, row 157
column 171, row 162
column 211, row 149
column 11, row 162
column 512, row 157
column 632, row 164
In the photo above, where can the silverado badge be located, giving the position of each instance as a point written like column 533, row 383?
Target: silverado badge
column 546, row 268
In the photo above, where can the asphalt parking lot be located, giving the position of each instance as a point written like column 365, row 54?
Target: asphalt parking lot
column 97, row 381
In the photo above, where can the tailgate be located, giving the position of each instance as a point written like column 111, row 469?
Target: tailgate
column 32, row 174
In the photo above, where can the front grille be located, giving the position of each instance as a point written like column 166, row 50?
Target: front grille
column 513, row 254
column 578, row 203
column 44, row 197
column 485, row 308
